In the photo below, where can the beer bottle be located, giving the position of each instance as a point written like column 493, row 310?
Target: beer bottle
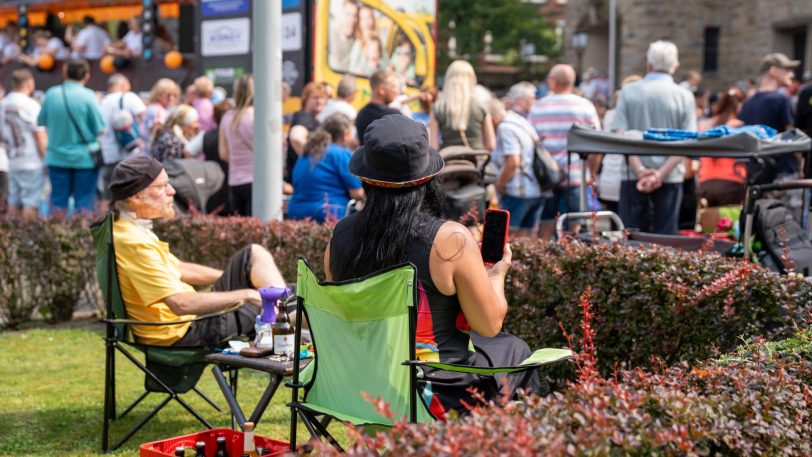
column 180, row 451
column 200, row 449
column 283, row 334
column 221, row 447
column 248, row 446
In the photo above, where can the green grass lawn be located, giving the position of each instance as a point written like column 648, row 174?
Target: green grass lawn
column 52, row 389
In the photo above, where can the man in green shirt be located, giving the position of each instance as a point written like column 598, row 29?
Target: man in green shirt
column 71, row 116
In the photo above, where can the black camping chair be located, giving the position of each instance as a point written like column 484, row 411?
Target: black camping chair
column 167, row 370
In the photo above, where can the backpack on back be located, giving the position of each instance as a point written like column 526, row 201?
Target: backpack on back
column 775, row 228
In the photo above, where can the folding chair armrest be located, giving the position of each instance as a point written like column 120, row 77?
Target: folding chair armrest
column 231, row 308
column 537, row 359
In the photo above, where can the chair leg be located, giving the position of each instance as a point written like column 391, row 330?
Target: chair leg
column 143, row 422
column 133, row 405
column 109, row 379
column 292, row 429
column 207, row 399
column 308, row 425
column 323, row 431
column 193, row 412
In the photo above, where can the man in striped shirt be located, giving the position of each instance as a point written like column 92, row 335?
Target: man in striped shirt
column 552, row 116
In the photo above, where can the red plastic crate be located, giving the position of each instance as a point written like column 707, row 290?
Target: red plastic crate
column 234, row 443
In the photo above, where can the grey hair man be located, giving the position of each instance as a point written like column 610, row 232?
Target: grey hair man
column 521, row 97
column 651, row 191
column 345, row 95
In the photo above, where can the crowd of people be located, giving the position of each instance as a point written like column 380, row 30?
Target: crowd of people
column 87, row 40
column 75, row 137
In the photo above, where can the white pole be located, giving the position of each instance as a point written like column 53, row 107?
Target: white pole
column 267, row 64
column 612, row 46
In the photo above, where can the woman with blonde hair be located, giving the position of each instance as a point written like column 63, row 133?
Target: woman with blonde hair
column 236, row 145
column 163, row 95
column 172, row 140
column 457, row 116
column 203, row 88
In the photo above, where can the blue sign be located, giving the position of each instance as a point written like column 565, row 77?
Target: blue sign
column 288, row 4
column 212, row 8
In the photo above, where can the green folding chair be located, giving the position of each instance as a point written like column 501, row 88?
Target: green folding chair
column 173, row 371
column 363, row 333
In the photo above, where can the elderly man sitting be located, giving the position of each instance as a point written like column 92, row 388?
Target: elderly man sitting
column 157, row 287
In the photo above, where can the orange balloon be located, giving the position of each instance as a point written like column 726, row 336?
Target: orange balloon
column 173, row 59
column 45, row 62
column 106, row 64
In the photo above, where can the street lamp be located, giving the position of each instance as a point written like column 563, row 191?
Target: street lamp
column 579, row 42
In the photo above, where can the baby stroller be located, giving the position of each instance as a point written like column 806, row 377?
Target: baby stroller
column 194, row 182
column 463, row 181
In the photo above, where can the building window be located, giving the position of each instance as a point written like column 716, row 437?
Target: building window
column 711, row 52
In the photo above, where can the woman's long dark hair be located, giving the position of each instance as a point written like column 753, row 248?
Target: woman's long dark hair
column 386, row 227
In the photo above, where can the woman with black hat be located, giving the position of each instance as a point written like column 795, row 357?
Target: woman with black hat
column 461, row 300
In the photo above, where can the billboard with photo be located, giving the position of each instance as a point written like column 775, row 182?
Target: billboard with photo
column 368, row 35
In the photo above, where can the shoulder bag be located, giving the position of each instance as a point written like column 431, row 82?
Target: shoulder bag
column 544, row 167
column 93, row 148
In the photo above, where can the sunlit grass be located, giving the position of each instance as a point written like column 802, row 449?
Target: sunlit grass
column 52, row 388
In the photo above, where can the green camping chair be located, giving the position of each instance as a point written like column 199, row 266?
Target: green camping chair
column 363, row 334
column 173, row 371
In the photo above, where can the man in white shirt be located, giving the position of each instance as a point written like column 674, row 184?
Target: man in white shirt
column 131, row 44
column 91, row 42
column 345, row 94
column 120, row 104
column 25, row 144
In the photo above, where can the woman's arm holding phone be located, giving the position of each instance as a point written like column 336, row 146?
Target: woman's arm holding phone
column 457, row 268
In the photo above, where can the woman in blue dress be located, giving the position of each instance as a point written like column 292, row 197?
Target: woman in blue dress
column 322, row 182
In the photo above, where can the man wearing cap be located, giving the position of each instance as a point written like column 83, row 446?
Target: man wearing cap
column 771, row 106
column 157, row 287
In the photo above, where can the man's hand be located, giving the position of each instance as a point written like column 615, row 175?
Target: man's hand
column 252, row 297
column 649, row 181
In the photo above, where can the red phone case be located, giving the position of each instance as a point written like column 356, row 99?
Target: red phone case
column 507, row 226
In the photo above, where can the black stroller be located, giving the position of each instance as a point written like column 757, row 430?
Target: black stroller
column 464, row 181
column 194, row 181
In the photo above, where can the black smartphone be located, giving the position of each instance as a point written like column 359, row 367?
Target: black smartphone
column 494, row 235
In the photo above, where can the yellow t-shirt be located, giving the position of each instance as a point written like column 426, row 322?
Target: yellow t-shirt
column 147, row 274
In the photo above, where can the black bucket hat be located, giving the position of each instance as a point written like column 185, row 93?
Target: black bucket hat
column 395, row 153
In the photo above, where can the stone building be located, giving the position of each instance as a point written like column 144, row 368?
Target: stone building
column 723, row 40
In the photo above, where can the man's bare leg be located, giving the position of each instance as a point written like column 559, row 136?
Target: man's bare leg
column 264, row 272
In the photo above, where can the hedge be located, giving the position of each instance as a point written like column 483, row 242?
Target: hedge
column 45, row 266
column 756, row 401
column 648, row 302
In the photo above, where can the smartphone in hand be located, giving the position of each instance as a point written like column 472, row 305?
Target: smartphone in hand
column 494, row 235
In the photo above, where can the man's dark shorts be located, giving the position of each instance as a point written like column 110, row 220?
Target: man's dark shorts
column 215, row 331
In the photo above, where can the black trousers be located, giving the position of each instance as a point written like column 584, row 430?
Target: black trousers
column 214, row 331
column 655, row 212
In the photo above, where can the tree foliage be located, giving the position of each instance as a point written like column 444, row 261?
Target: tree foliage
column 511, row 22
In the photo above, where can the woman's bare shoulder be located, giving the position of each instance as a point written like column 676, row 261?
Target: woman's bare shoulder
column 452, row 240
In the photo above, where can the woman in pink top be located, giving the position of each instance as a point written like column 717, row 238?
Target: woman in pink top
column 237, row 145
column 721, row 182
column 203, row 88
